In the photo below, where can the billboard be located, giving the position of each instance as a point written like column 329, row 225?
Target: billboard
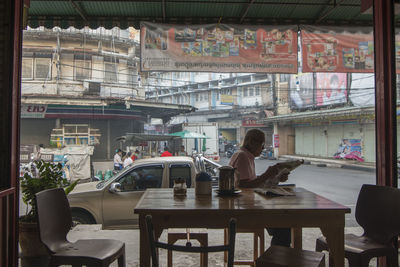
column 302, row 91
column 333, row 49
column 219, row 48
column 331, row 89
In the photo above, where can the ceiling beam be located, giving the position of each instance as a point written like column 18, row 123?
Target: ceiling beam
column 335, row 5
column 163, row 10
column 245, row 10
column 78, row 9
column 223, row 2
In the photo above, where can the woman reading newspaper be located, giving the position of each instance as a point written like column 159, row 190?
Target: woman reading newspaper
column 243, row 162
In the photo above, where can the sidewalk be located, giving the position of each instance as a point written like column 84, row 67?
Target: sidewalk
column 244, row 244
column 336, row 163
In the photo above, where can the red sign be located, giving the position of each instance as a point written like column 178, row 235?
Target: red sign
column 333, row 49
column 218, row 47
column 276, row 140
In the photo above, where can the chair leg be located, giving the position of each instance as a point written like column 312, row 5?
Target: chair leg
column 255, row 246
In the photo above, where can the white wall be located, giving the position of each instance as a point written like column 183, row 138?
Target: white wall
column 313, row 141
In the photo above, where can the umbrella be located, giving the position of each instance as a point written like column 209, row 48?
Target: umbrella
column 204, row 145
column 189, row 135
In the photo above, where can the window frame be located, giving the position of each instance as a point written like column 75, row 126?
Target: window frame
column 106, row 72
column 89, row 69
column 49, row 73
column 157, row 165
column 32, row 69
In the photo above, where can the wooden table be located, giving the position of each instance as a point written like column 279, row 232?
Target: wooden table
column 251, row 210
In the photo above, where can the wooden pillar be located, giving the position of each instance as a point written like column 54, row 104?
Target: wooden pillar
column 385, row 97
column 385, row 94
column 10, row 58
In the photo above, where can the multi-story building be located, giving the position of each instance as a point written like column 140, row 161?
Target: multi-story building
column 84, row 77
column 236, row 101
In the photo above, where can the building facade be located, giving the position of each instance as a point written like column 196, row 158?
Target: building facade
column 87, row 78
column 311, row 114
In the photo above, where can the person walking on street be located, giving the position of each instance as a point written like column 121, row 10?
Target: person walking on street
column 118, row 160
column 128, row 160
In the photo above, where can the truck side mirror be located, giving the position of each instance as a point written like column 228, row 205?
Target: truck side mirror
column 115, row 188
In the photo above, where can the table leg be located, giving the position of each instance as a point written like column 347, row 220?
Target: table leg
column 144, row 243
column 335, row 239
column 297, row 237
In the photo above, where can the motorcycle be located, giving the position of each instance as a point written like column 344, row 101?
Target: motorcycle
column 230, row 151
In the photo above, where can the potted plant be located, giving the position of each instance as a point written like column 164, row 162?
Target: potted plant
column 43, row 175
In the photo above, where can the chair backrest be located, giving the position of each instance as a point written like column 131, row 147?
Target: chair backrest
column 378, row 212
column 154, row 244
column 54, row 218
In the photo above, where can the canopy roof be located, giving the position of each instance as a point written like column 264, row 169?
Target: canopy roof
column 142, row 137
column 185, row 134
column 125, row 13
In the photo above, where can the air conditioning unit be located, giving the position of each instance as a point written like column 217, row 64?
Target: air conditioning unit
column 92, row 88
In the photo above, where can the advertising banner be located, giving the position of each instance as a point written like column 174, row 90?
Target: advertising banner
column 349, row 149
column 219, row 48
column 362, row 89
column 227, row 100
column 330, row 49
column 302, row 91
column 331, row 89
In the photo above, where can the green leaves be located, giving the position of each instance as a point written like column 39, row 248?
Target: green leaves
column 49, row 175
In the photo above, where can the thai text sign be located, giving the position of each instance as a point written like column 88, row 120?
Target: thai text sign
column 218, row 47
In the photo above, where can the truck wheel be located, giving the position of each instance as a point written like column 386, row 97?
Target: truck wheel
column 80, row 217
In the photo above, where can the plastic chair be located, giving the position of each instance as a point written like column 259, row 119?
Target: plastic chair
column 378, row 213
column 154, row 244
column 54, row 219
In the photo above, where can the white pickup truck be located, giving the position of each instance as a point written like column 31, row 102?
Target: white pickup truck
column 111, row 202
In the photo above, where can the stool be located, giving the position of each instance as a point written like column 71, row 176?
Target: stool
column 258, row 235
column 278, row 256
column 201, row 237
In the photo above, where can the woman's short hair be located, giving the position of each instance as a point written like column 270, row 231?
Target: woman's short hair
column 253, row 139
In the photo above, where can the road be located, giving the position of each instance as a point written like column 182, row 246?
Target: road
column 339, row 185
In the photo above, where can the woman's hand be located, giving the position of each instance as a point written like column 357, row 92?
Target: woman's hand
column 283, row 175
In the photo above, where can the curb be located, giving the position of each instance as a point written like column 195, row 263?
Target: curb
column 358, row 168
column 330, row 163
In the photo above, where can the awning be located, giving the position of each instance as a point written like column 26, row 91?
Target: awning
column 125, row 13
column 142, row 137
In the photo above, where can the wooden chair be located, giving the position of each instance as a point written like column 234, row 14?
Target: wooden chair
column 55, row 221
column 258, row 245
column 278, row 256
column 378, row 213
column 202, row 238
column 154, row 244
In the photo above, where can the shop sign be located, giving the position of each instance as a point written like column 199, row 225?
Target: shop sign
column 276, row 140
column 33, row 111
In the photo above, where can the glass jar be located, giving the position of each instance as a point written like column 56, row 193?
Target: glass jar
column 180, row 187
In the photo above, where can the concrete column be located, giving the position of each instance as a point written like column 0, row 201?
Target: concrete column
column 58, row 123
